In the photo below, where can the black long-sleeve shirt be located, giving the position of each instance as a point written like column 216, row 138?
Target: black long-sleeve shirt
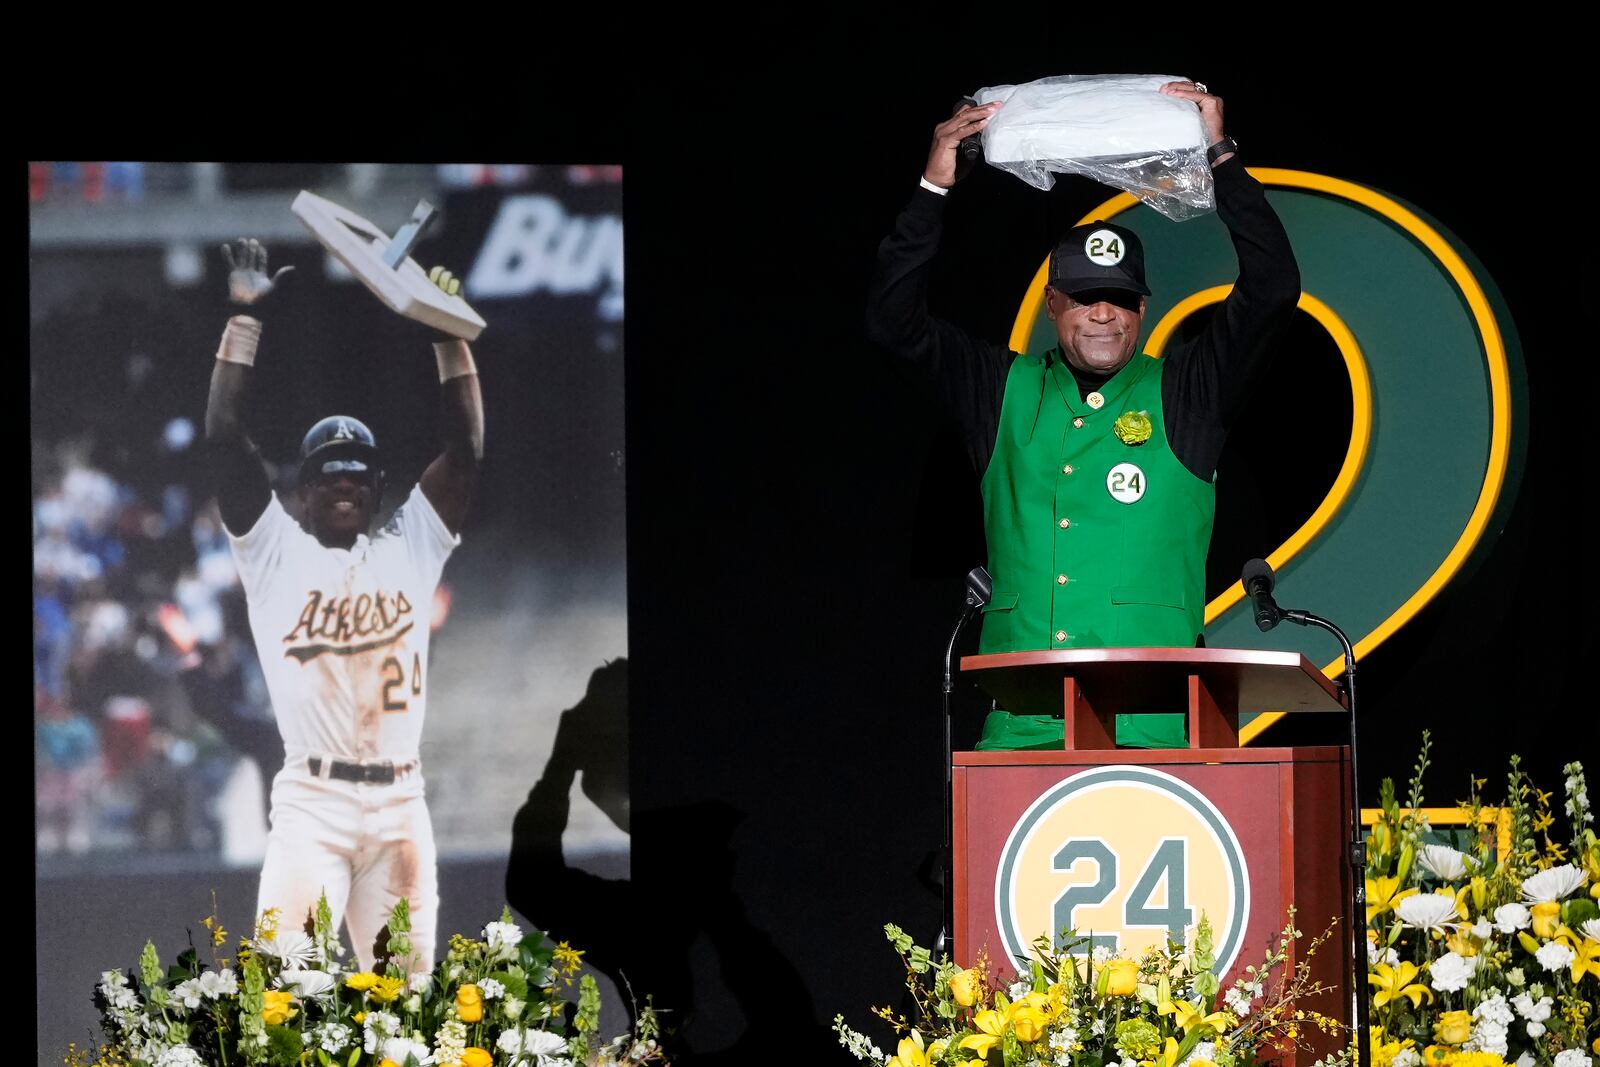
column 1205, row 382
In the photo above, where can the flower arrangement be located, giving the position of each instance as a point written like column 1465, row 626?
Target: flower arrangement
column 287, row 1001
column 1482, row 957
column 1100, row 1009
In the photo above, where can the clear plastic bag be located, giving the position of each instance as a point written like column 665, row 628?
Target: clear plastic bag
column 1115, row 128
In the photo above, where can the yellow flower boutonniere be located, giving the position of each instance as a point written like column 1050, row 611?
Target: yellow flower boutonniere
column 1133, row 427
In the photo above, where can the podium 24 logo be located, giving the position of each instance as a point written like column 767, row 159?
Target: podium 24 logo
column 1129, row 855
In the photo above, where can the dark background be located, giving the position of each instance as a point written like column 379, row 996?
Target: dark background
column 801, row 513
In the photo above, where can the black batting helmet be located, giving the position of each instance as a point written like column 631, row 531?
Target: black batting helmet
column 339, row 443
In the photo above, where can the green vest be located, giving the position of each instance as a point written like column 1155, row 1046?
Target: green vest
column 1093, row 542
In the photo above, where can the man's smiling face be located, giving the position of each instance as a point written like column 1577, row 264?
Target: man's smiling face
column 339, row 506
column 1098, row 328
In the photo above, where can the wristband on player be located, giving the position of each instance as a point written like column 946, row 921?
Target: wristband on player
column 454, row 359
column 239, row 341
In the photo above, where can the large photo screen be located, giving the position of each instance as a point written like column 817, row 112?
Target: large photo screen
column 172, row 732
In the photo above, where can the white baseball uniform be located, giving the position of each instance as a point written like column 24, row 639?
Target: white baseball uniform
column 343, row 639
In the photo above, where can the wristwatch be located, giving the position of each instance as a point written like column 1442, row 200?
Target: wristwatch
column 1221, row 148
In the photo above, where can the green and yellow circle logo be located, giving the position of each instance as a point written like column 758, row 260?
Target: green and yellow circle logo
column 1129, row 855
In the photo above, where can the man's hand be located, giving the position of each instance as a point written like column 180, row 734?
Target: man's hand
column 1210, row 108
column 248, row 281
column 947, row 137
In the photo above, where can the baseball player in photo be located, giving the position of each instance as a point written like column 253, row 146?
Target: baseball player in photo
column 340, row 616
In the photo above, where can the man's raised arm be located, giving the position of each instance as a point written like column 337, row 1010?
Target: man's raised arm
column 242, row 488
column 447, row 482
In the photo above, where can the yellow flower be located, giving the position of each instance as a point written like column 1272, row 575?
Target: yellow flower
column 472, row 1056
column 1546, row 915
column 386, row 989
column 910, row 1053
column 1596, row 1046
column 361, row 980
column 387, row 1063
column 1384, row 1052
column 1459, row 897
column 1585, row 954
column 1453, row 1027
column 1167, row 1057
column 1028, row 1020
column 1462, row 943
column 1188, row 1016
column 965, row 985
column 992, row 1026
column 359, row 1017
column 1480, row 892
column 1122, row 978
column 469, row 1004
column 1394, row 983
column 277, row 1007
column 1383, row 894
column 1436, row 1056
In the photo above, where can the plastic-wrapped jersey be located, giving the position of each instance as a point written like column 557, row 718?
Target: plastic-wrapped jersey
column 1118, row 129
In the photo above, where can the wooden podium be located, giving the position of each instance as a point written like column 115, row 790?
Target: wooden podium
column 1132, row 845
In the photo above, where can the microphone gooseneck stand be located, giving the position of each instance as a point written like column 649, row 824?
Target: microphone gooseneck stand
column 979, row 588
column 1258, row 582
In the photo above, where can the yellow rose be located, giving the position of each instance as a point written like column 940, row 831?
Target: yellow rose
column 277, row 1007
column 1122, row 978
column 1546, row 914
column 361, row 981
column 1453, row 1027
column 1028, row 1022
column 965, row 986
column 1436, row 1056
column 476, row 1057
column 469, row 1004
column 387, row 1063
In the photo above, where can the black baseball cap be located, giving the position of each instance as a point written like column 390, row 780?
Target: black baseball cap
column 1098, row 255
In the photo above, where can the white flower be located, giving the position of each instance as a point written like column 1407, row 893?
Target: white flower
column 398, row 1048
column 1063, row 1059
column 1450, row 972
column 378, row 1027
column 1536, row 1030
column 188, row 993
column 542, row 1043
column 1552, row 884
column 114, row 984
column 1100, row 954
column 1063, row 1040
column 216, row 984
column 1426, row 912
column 305, row 983
column 1487, row 1037
column 419, row 982
column 1590, row 928
column 413, row 1004
column 1238, row 1000
column 331, row 1037
column 1204, row 1050
column 1018, row 990
column 491, row 989
column 513, row 1008
column 1553, row 956
column 502, row 939
column 1515, row 977
column 1509, row 918
column 1098, row 1027
column 1495, row 1009
column 1533, row 1011
column 1443, row 862
column 293, row 948
column 180, row 1056
column 1482, row 928
column 509, row 1042
column 1573, row 1057
column 1525, row 1060
column 1406, row 1057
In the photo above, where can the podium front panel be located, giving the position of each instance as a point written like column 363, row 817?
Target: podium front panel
column 1131, row 846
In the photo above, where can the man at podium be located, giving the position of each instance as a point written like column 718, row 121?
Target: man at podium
column 1097, row 468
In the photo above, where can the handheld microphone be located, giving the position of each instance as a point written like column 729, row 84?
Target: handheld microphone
column 1258, row 582
column 970, row 150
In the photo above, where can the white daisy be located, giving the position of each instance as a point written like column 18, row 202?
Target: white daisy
column 290, row 947
column 305, row 983
column 1443, row 862
column 1426, row 912
column 1552, row 884
column 398, row 1048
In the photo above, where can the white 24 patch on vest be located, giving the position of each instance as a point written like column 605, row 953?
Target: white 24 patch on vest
column 1125, row 482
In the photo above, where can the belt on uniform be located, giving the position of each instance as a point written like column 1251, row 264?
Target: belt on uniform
column 373, row 773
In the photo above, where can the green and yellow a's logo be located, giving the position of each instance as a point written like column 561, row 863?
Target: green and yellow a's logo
column 1130, row 855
